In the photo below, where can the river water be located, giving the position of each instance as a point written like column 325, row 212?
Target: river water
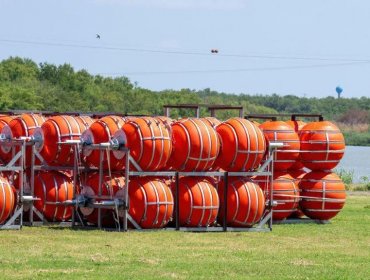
column 356, row 159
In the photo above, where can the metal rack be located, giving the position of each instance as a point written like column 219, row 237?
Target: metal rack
column 265, row 224
column 17, row 164
column 122, row 204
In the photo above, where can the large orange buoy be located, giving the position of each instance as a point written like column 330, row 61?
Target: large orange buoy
column 59, row 129
column 242, row 145
column 198, row 202
column 167, row 121
column 111, row 188
column 297, row 125
column 297, row 175
column 53, row 188
column 285, row 193
column 279, row 131
column 195, row 145
column 7, row 199
column 323, row 195
column 245, row 202
column 21, row 126
column 151, row 202
column 322, row 145
column 101, row 131
column 212, row 121
column 148, row 140
column 5, row 120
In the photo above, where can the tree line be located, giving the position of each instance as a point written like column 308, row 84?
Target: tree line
column 27, row 85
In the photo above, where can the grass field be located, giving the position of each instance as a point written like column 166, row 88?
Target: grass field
column 339, row 250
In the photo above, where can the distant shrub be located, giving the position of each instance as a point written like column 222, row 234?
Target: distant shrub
column 346, row 176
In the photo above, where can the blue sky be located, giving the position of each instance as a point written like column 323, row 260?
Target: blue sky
column 305, row 48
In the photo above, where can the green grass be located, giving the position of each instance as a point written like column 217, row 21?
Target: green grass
column 339, row 250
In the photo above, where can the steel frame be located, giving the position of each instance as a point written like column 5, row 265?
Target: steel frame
column 17, row 164
column 265, row 224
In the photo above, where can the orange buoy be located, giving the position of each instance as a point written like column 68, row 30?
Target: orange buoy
column 297, row 126
column 285, row 193
column 101, row 131
column 151, row 202
column 322, row 145
column 212, row 121
column 198, row 202
column 111, row 188
column 166, row 121
column 59, row 129
column 195, row 145
column 279, row 131
column 53, row 188
column 297, row 175
column 323, row 195
column 148, row 140
column 242, row 145
column 245, row 202
column 5, row 120
column 7, row 199
column 21, row 126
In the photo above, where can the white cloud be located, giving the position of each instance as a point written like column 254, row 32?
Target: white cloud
column 181, row 4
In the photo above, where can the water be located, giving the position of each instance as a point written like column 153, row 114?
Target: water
column 357, row 159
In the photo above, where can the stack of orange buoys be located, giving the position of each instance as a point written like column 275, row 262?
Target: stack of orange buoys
column 322, row 148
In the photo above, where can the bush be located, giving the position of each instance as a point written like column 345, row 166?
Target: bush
column 346, row 176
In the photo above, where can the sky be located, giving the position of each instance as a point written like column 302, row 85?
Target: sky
column 304, row 48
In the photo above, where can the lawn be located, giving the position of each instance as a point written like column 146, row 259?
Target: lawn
column 339, row 250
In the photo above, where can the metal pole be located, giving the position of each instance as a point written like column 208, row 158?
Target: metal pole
column 273, row 154
column 197, row 112
column 75, row 170
column 226, row 187
column 21, row 179
column 241, row 113
column 100, row 185
column 32, row 183
column 177, row 200
column 125, row 193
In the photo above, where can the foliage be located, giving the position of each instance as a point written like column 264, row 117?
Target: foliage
column 26, row 85
column 357, row 138
column 345, row 175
